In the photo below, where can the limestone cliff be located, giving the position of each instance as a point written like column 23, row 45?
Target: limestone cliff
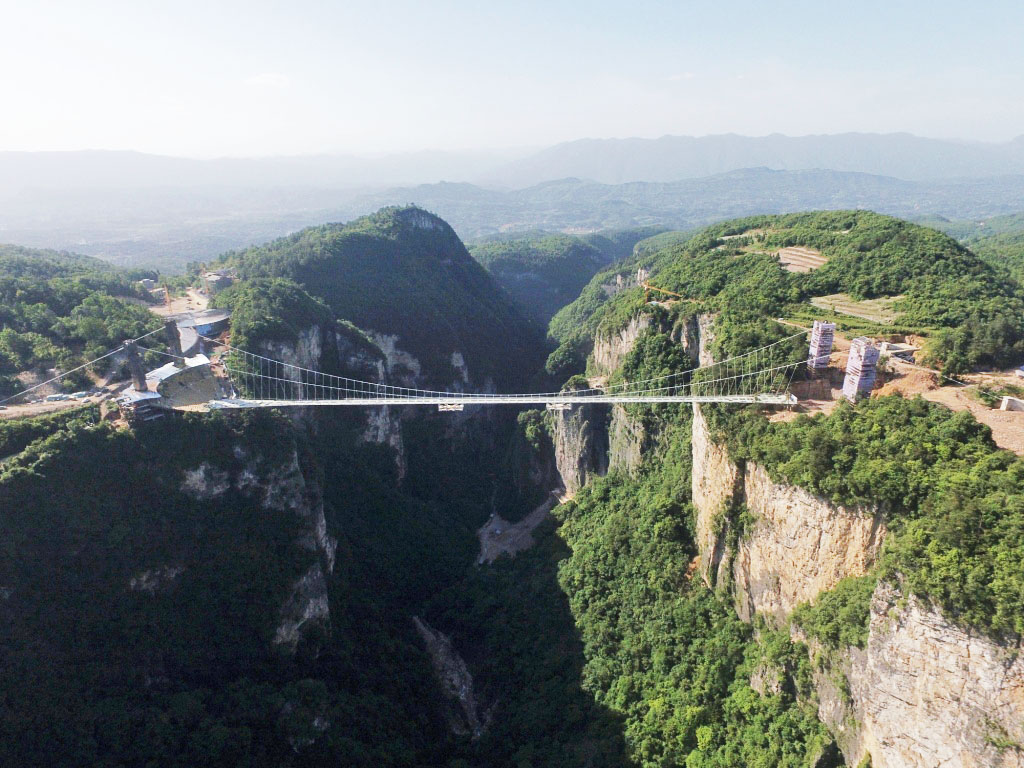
column 610, row 349
column 581, row 444
column 695, row 335
column 926, row 692
column 795, row 544
column 715, row 482
column 627, row 440
column 323, row 348
column 798, row 546
column 452, row 674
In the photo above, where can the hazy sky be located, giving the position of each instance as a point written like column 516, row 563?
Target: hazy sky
column 253, row 78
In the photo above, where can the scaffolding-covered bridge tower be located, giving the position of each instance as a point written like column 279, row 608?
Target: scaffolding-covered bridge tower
column 822, row 334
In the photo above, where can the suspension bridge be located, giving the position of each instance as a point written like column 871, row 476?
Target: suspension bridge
column 258, row 381
column 237, row 378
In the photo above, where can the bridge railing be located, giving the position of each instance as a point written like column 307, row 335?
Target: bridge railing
column 761, row 371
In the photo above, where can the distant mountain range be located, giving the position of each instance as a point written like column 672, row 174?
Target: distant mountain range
column 610, row 161
column 165, row 228
column 670, row 158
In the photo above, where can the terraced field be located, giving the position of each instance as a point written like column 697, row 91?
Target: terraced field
column 797, row 258
column 876, row 310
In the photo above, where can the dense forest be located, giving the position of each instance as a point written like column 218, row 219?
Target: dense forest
column 404, row 272
column 60, row 309
column 970, row 312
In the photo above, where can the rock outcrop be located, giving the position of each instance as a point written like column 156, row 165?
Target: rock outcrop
column 626, row 441
column 610, row 349
column 798, row 545
column 715, row 483
column 281, row 487
column 926, row 692
column 465, row 718
column 581, row 444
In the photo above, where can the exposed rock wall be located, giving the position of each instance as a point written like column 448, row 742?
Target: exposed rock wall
column 925, row 692
column 695, row 335
column 581, row 444
column 715, row 483
column 705, row 336
column 799, row 544
column 456, row 682
column 283, row 488
column 610, row 349
column 626, row 441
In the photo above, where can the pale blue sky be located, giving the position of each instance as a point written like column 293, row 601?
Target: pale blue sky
column 255, row 78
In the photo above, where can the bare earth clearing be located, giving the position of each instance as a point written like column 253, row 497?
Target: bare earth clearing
column 820, row 395
column 876, row 310
column 499, row 537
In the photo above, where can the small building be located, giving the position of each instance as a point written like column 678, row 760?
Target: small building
column 147, row 284
column 170, row 386
column 1019, row 372
column 217, row 280
column 860, row 369
column 898, row 350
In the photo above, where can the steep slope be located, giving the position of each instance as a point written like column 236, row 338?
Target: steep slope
column 403, row 276
column 545, row 271
column 939, row 288
column 875, row 551
column 58, row 309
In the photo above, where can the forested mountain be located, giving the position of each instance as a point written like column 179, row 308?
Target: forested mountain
column 404, row 272
column 938, row 287
column 60, row 309
column 999, row 240
column 544, row 271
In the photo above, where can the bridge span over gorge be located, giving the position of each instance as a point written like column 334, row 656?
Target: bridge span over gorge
column 238, row 378
column 257, row 381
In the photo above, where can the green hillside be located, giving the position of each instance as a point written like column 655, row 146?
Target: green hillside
column 59, row 309
column 972, row 314
column 544, row 271
column 404, row 272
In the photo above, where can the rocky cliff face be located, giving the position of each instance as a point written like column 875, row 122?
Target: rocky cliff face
column 581, row 444
column 626, row 441
column 610, row 349
column 925, row 692
column 286, row 489
column 464, row 714
column 797, row 546
column 359, row 361
column 695, row 336
column 715, row 483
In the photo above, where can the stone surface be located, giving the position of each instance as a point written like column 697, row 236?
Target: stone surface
column 581, row 444
column 800, row 545
column 715, row 483
column 610, row 349
column 926, row 692
column 626, row 441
